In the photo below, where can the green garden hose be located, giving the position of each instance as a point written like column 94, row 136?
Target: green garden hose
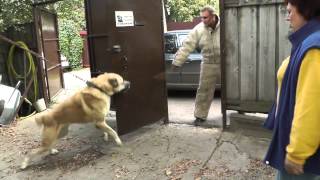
column 31, row 69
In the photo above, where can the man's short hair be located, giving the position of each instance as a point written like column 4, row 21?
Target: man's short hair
column 309, row 9
column 208, row 8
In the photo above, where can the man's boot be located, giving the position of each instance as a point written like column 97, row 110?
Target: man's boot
column 198, row 121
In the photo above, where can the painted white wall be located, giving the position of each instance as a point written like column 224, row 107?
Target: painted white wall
column 164, row 20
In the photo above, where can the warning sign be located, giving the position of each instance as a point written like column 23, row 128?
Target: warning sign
column 124, row 18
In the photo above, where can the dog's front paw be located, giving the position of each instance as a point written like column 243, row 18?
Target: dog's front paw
column 24, row 164
column 118, row 141
column 54, row 151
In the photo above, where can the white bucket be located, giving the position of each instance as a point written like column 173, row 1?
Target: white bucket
column 40, row 105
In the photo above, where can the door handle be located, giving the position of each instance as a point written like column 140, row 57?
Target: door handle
column 116, row 48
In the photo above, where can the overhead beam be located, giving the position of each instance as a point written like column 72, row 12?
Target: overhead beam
column 45, row 2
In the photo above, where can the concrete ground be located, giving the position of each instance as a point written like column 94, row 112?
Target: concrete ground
column 177, row 150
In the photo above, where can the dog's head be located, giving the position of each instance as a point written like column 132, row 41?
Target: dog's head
column 111, row 83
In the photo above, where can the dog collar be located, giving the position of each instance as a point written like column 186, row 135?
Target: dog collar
column 91, row 84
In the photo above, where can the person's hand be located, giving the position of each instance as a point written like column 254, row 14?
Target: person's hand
column 293, row 168
column 174, row 67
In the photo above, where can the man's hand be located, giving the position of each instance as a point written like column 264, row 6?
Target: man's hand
column 293, row 168
column 174, row 67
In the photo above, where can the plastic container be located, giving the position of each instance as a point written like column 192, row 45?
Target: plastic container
column 11, row 96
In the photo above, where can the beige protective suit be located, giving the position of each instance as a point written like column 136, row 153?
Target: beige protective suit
column 208, row 40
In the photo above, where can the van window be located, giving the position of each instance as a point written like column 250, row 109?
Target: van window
column 170, row 45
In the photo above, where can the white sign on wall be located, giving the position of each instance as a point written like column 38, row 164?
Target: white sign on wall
column 124, row 18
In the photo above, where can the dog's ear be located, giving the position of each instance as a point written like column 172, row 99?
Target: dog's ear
column 113, row 82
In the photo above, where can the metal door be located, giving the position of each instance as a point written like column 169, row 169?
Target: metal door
column 48, row 41
column 127, row 38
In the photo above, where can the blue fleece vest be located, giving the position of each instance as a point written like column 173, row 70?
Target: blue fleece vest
column 307, row 37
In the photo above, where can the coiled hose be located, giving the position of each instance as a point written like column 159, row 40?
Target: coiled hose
column 31, row 69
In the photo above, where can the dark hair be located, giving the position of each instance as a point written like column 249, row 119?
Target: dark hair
column 309, row 9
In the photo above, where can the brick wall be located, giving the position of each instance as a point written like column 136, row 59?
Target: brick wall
column 183, row 25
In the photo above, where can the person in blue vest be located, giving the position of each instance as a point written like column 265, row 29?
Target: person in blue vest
column 295, row 118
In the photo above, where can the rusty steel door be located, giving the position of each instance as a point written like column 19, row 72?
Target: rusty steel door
column 127, row 38
column 47, row 32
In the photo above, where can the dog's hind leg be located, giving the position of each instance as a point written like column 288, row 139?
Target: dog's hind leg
column 62, row 131
column 32, row 155
column 108, row 130
column 49, row 136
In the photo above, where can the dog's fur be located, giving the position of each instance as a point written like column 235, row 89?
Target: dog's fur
column 89, row 105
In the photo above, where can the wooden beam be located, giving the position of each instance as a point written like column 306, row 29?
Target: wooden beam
column 45, row 2
column 18, row 45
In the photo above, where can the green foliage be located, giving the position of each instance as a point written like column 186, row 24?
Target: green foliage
column 70, row 42
column 72, row 10
column 186, row 10
column 13, row 12
column 71, row 21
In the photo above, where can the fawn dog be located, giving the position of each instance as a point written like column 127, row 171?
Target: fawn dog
column 89, row 105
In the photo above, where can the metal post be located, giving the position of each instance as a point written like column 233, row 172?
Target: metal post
column 22, row 98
